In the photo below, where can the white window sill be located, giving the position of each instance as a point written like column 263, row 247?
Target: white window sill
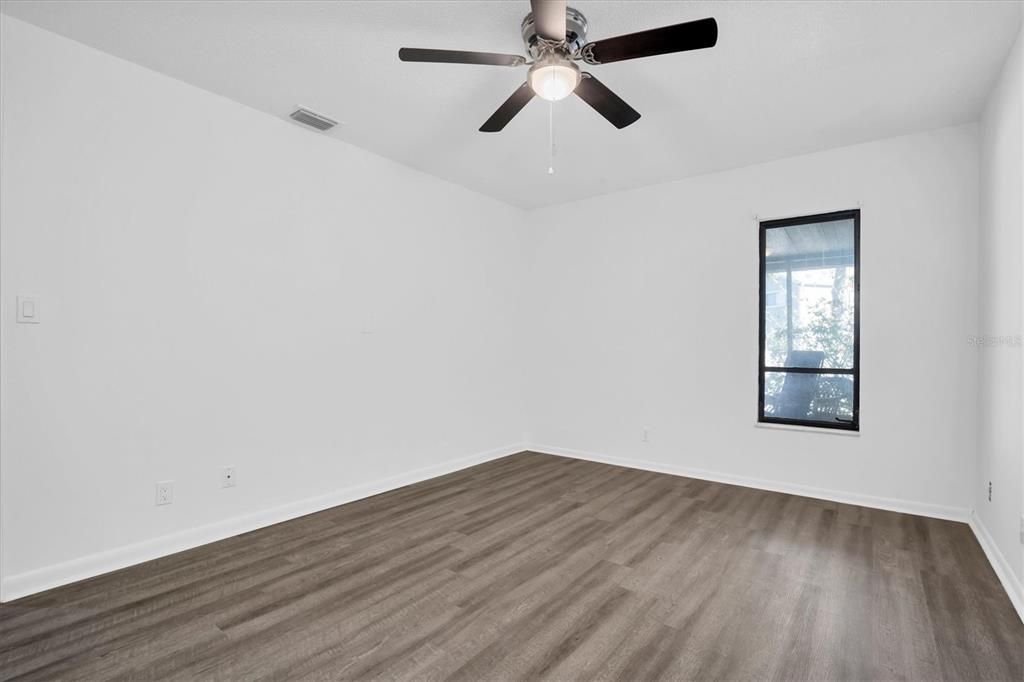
column 806, row 429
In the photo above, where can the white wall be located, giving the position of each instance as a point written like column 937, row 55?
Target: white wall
column 219, row 287
column 1001, row 451
column 648, row 304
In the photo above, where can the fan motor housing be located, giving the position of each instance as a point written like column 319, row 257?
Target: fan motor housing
column 575, row 33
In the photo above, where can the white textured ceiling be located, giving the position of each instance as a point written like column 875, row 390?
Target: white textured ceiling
column 786, row 78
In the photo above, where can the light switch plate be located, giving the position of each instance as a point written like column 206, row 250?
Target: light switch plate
column 28, row 309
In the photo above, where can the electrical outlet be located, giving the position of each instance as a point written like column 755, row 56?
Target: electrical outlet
column 1022, row 529
column 990, row 491
column 164, row 492
column 645, row 436
column 227, row 477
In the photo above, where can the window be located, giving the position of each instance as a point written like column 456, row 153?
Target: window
column 809, row 372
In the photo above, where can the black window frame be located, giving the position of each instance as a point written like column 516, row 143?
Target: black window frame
column 763, row 227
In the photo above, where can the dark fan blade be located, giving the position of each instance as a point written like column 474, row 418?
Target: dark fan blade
column 415, row 54
column 693, row 35
column 507, row 111
column 606, row 102
column 549, row 18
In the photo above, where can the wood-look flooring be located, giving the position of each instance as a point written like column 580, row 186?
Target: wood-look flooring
column 535, row 566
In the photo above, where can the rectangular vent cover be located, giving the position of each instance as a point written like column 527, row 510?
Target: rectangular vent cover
column 312, row 119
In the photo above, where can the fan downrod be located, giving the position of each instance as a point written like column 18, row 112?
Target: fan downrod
column 575, row 34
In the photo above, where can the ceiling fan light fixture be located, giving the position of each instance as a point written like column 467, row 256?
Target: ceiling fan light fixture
column 554, row 78
column 555, row 36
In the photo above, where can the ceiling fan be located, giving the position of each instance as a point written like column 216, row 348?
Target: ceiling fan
column 556, row 38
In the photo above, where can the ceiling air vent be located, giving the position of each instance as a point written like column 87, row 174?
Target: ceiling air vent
column 312, row 119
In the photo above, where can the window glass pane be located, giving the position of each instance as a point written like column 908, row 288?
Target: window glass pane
column 776, row 340
column 808, row 397
column 809, row 295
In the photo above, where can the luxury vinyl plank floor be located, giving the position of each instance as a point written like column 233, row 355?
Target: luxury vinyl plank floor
column 542, row 567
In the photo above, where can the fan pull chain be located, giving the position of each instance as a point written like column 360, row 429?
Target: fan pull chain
column 551, row 138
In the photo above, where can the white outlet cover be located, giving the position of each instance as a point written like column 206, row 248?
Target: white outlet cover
column 164, row 492
column 227, row 477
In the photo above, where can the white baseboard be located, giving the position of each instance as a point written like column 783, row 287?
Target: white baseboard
column 1010, row 582
column 891, row 504
column 31, row 582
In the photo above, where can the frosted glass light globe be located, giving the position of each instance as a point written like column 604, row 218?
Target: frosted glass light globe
column 555, row 80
